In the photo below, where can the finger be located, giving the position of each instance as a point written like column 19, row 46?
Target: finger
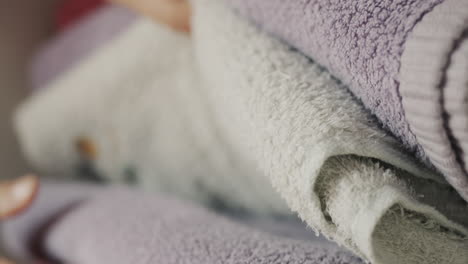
column 16, row 195
column 5, row 261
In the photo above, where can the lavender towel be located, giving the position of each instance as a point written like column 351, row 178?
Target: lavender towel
column 122, row 226
column 70, row 47
column 405, row 59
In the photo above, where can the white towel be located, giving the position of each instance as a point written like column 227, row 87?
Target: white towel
column 233, row 111
column 138, row 99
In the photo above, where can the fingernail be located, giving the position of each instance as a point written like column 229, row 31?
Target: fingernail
column 16, row 195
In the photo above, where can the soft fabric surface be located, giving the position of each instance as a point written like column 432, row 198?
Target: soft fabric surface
column 308, row 135
column 77, row 42
column 219, row 119
column 434, row 87
column 403, row 58
column 51, row 201
column 122, row 226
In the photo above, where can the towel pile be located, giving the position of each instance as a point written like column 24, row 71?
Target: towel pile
column 405, row 60
column 359, row 130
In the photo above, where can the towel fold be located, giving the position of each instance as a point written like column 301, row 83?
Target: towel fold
column 405, row 59
column 118, row 225
column 317, row 145
column 221, row 118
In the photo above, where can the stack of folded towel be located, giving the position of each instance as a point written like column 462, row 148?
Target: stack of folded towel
column 361, row 134
column 405, row 60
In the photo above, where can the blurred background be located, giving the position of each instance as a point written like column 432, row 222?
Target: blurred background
column 24, row 25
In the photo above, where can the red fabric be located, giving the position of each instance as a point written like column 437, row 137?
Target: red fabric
column 71, row 11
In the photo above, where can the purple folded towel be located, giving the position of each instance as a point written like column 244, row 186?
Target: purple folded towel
column 407, row 60
column 122, row 226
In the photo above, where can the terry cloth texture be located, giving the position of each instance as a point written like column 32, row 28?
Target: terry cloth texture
column 403, row 58
column 77, row 42
column 316, row 144
column 249, row 112
column 113, row 225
